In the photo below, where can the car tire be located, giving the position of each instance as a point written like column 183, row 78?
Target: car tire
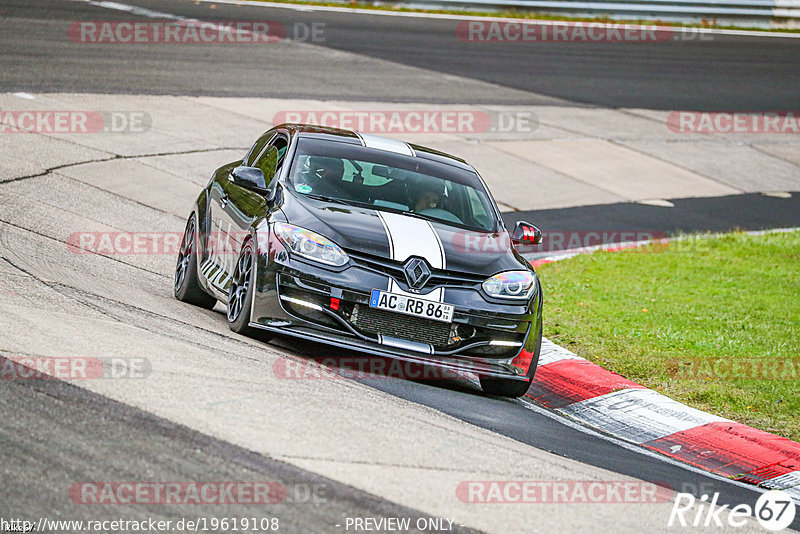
column 240, row 295
column 186, row 285
column 502, row 387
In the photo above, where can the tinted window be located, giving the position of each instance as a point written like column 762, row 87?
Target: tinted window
column 257, row 148
column 271, row 157
column 392, row 182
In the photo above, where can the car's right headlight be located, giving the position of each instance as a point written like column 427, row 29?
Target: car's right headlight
column 511, row 285
column 310, row 244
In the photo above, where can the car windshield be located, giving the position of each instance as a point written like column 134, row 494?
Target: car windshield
column 387, row 181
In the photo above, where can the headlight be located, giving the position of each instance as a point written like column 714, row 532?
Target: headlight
column 310, row 244
column 511, row 285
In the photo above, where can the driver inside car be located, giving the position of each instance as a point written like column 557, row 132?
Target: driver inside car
column 427, row 199
column 322, row 174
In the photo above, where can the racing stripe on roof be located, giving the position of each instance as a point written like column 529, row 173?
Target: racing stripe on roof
column 384, row 143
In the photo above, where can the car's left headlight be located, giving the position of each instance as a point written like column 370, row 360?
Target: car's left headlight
column 310, row 244
column 511, row 285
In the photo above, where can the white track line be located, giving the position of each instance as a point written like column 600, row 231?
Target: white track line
column 136, row 10
column 411, row 14
column 149, row 13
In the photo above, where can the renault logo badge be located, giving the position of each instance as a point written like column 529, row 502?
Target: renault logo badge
column 417, row 272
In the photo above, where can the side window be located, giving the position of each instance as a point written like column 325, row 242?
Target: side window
column 477, row 207
column 282, row 145
column 271, row 158
column 257, row 148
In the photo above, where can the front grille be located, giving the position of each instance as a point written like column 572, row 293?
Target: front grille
column 394, row 269
column 371, row 321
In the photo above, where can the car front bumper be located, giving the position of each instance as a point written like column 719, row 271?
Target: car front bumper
column 301, row 299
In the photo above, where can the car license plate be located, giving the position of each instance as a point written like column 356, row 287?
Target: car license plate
column 427, row 309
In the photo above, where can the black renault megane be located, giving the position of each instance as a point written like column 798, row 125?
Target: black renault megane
column 366, row 243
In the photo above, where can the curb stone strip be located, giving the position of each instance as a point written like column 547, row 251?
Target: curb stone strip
column 598, row 398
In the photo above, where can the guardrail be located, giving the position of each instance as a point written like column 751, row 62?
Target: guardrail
column 750, row 13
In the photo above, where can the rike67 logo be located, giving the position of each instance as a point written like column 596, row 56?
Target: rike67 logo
column 774, row 510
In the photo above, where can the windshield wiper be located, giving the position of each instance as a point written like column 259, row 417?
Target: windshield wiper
column 359, row 204
column 324, row 198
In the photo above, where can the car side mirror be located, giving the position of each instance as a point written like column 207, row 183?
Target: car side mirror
column 249, row 178
column 273, row 196
column 526, row 234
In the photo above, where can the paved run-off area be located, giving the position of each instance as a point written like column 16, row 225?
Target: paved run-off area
column 532, row 157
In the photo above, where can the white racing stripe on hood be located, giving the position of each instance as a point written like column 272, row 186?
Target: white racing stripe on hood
column 410, row 236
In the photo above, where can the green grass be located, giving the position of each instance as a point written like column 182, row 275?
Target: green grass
column 659, row 316
column 521, row 14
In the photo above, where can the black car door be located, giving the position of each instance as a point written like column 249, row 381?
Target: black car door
column 234, row 208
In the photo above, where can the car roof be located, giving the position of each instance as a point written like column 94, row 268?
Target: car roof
column 374, row 141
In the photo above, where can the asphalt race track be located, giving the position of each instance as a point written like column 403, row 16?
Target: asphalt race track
column 211, row 407
column 48, row 407
column 725, row 73
column 715, row 214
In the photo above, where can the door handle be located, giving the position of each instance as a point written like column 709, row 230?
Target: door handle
column 224, row 200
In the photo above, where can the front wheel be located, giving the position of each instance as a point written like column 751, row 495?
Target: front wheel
column 186, row 286
column 503, row 387
column 240, row 296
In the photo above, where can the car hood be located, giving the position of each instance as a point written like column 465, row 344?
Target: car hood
column 395, row 236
